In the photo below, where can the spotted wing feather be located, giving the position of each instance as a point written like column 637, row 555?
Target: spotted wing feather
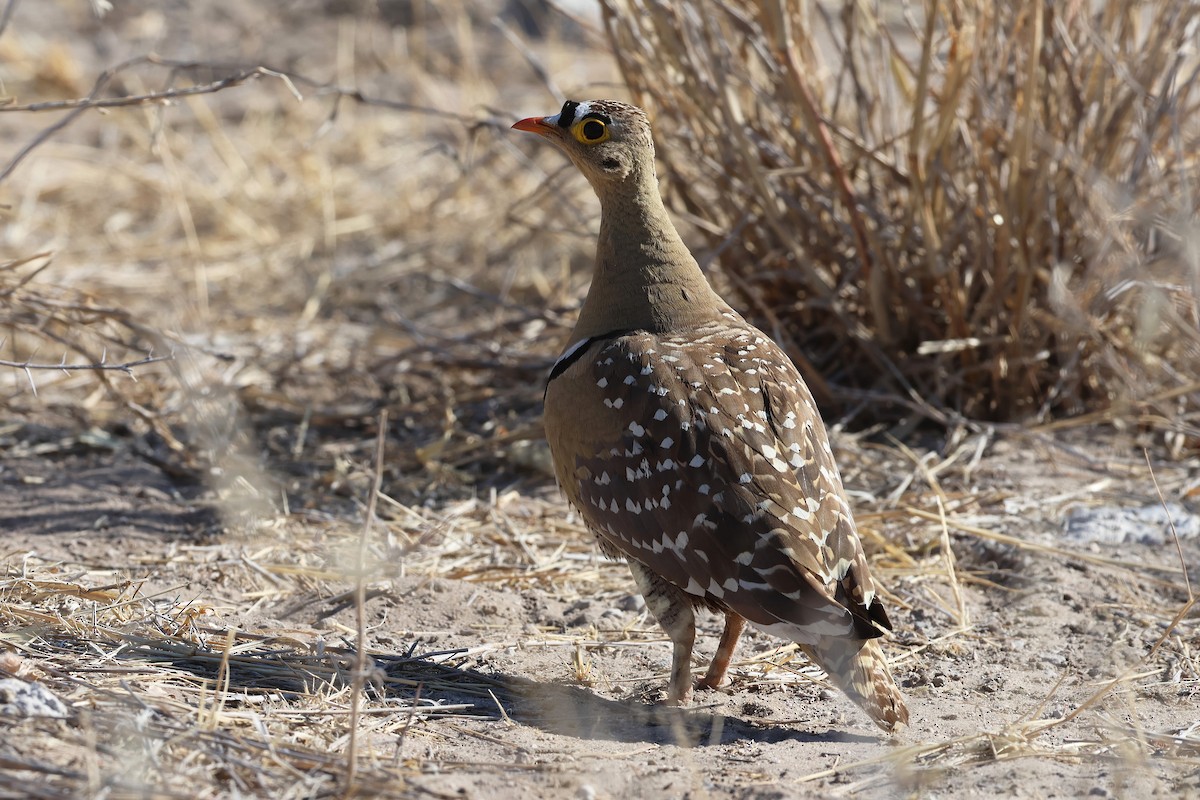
column 721, row 481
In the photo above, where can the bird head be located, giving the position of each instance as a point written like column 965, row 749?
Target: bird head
column 607, row 140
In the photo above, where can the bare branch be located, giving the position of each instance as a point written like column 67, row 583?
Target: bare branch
column 241, row 73
column 125, row 367
column 92, row 101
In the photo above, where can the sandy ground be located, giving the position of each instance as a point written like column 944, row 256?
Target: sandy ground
column 1004, row 706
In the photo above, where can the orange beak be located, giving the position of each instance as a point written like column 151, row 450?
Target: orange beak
column 536, row 125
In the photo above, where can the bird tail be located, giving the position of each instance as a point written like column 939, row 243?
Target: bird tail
column 859, row 669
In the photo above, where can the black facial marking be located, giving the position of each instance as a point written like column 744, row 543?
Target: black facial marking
column 567, row 115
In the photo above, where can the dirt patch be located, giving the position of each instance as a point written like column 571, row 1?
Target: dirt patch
column 1043, row 681
column 72, row 497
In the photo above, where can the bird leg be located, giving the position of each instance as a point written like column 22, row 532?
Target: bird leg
column 673, row 610
column 734, row 624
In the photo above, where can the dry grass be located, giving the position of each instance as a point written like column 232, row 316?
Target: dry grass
column 100, row 339
column 164, row 695
column 308, row 264
column 305, row 262
column 982, row 208
column 173, row 701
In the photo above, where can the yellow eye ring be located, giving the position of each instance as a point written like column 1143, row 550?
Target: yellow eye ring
column 590, row 131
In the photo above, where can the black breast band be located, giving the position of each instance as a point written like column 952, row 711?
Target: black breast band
column 563, row 364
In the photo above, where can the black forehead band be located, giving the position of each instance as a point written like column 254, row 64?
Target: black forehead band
column 567, row 115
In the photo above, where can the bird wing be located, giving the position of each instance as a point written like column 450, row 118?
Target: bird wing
column 722, row 481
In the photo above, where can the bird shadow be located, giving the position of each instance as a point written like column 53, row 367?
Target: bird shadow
column 444, row 680
column 580, row 713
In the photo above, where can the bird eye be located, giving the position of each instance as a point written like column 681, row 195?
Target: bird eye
column 591, row 131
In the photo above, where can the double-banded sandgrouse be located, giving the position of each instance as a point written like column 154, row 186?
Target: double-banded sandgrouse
column 690, row 445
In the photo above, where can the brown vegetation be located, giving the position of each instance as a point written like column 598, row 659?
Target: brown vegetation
column 983, row 208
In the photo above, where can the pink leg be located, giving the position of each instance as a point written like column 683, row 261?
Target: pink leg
column 734, row 624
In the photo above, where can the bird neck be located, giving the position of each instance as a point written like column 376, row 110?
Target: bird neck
column 644, row 278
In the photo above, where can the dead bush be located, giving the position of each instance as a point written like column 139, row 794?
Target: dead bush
column 984, row 208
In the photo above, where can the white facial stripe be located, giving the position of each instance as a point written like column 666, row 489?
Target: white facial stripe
column 570, row 351
column 553, row 120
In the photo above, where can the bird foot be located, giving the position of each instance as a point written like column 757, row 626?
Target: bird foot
column 722, row 682
column 684, row 698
